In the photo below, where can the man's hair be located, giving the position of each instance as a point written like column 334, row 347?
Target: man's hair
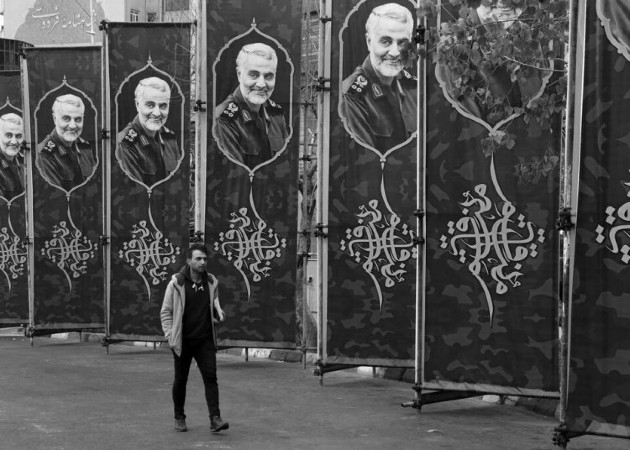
column 258, row 49
column 12, row 118
column 67, row 99
column 196, row 246
column 152, row 82
column 391, row 11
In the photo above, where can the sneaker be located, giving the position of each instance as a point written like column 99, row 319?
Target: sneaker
column 180, row 425
column 217, row 424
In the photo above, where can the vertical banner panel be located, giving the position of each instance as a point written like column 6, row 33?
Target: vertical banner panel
column 252, row 173
column 66, row 160
column 599, row 376
column 13, row 253
column 372, row 191
column 491, row 258
column 149, row 97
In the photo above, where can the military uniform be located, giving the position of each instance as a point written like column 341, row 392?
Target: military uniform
column 11, row 176
column 379, row 115
column 62, row 166
column 248, row 136
column 144, row 158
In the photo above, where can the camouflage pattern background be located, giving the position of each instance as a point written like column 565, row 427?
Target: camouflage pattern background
column 517, row 349
column 134, row 311
column 363, row 327
column 264, row 313
column 10, row 91
column 68, row 276
column 14, row 290
column 599, row 377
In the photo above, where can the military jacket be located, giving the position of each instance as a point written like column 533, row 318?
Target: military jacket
column 11, row 176
column 65, row 167
column 379, row 115
column 144, row 158
column 248, row 136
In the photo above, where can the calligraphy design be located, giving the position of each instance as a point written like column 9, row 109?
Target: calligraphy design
column 150, row 253
column 70, row 250
column 381, row 244
column 615, row 233
column 50, row 21
column 493, row 239
column 12, row 255
column 251, row 245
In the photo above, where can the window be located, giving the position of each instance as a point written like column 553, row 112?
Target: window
column 175, row 5
column 134, row 15
column 151, row 17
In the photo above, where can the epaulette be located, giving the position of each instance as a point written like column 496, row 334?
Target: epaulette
column 274, row 104
column 50, row 146
column 167, row 131
column 359, row 85
column 230, row 111
column 131, row 136
column 82, row 141
column 407, row 76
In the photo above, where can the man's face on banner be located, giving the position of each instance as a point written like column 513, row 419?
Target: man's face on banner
column 11, row 137
column 386, row 43
column 68, row 120
column 153, row 106
column 257, row 78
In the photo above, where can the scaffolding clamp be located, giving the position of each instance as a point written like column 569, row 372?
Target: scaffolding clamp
column 200, row 105
column 321, row 84
column 104, row 134
column 324, row 19
column 418, row 35
column 419, row 213
column 103, row 25
column 418, row 240
column 197, row 236
column 319, row 230
column 563, row 222
column 103, row 240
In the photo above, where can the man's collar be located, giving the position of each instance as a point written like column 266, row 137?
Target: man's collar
column 144, row 137
column 246, row 112
column 376, row 84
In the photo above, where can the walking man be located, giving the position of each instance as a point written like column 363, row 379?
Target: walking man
column 189, row 311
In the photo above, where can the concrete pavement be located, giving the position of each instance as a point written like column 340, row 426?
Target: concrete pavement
column 70, row 395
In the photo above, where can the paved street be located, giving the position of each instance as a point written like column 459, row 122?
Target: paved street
column 65, row 394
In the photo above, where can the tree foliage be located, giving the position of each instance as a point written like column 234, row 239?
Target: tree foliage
column 525, row 38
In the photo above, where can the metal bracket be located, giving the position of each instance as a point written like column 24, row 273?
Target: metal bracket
column 418, row 213
column 306, row 158
column 200, row 105
column 563, row 222
column 26, row 241
column 104, row 134
column 418, row 35
column 418, row 241
column 198, row 236
column 103, row 240
column 103, row 25
column 321, row 84
column 324, row 19
column 319, row 230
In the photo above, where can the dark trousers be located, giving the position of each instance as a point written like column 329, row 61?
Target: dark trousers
column 204, row 354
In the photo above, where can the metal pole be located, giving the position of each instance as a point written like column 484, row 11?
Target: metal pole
column 26, row 118
column 107, row 160
column 323, row 118
column 201, row 126
column 568, row 199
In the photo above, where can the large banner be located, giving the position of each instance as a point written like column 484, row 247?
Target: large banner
column 66, row 207
column 148, row 90
column 492, row 200
column 599, row 376
column 372, row 194
column 13, row 252
column 252, row 167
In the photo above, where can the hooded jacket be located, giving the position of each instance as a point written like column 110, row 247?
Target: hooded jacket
column 173, row 306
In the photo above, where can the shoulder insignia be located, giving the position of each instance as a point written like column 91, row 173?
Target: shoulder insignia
column 409, row 76
column 131, row 135
column 359, row 85
column 274, row 104
column 82, row 141
column 168, row 131
column 50, row 146
column 231, row 110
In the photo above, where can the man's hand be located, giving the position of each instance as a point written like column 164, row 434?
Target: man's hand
column 220, row 315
